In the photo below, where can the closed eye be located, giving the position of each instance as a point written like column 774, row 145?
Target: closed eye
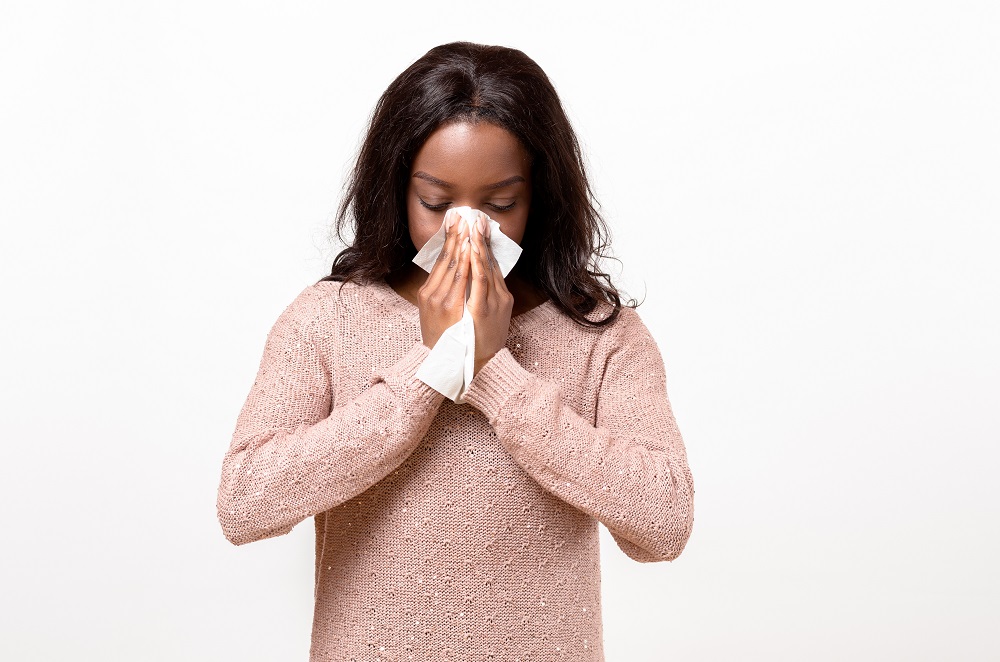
column 440, row 207
column 444, row 205
column 503, row 207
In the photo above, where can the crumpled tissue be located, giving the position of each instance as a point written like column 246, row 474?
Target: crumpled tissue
column 449, row 366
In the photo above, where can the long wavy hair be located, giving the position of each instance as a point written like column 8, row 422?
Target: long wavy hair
column 565, row 236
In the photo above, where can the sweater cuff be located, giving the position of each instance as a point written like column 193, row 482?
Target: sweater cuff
column 444, row 368
column 499, row 379
column 401, row 378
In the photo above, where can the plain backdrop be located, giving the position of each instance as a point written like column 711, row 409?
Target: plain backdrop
column 804, row 195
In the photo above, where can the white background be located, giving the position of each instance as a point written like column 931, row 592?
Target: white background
column 806, row 194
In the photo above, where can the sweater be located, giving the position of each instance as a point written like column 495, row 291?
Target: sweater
column 452, row 531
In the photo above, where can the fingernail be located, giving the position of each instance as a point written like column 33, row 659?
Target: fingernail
column 465, row 244
column 449, row 219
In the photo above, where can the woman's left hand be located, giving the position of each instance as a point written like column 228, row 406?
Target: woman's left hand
column 490, row 302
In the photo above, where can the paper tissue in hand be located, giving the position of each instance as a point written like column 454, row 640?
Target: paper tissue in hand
column 449, row 367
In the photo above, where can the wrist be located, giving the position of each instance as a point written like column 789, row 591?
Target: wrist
column 480, row 362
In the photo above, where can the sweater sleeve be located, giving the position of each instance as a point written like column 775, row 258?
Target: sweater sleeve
column 630, row 471
column 291, row 456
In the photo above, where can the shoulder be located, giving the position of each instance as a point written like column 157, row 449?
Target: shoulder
column 310, row 301
column 630, row 324
column 626, row 324
column 626, row 319
column 314, row 302
column 329, row 304
column 325, row 296
column 627, row 335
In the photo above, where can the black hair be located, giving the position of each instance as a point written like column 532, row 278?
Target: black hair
column 565, row 235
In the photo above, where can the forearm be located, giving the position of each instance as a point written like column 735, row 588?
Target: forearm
column 635, row 481
column 276, row 476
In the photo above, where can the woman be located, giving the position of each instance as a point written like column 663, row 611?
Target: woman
column 462, row 530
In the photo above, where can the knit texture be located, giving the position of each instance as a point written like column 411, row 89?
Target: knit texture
column 452, row 531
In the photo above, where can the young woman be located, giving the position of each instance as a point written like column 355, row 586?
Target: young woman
column 462, row 531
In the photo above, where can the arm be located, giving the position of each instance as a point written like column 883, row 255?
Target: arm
column 291, row 456
column 630, row 471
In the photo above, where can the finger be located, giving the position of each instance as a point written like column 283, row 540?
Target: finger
column 496, row 273
column 435, row 273
column 492, row 265
column 481, row 279
column 483, row 234
column 455, row 298
column 446, row 258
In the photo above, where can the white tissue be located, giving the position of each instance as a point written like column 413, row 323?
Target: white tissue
column 449, row 367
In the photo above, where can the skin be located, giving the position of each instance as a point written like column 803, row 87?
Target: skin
column 461, row 163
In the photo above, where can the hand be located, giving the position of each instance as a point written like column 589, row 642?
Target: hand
column 442, row 296
column 490, row 302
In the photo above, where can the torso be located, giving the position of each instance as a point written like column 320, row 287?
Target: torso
column 458, row 547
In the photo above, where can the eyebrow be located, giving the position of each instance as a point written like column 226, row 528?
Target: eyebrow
column 420, row 174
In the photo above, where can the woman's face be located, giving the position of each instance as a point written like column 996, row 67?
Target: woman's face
column 480, row 165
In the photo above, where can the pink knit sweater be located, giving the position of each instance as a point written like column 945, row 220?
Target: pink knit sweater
column 456, row 531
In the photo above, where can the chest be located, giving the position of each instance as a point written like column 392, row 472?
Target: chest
column 356, row 347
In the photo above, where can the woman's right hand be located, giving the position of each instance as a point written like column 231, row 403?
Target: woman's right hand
column 442, row 296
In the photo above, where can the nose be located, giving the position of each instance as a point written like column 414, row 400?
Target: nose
column 471, row 215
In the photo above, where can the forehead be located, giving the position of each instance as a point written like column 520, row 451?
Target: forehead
column 464, row 153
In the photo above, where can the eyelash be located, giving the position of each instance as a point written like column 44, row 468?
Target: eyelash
column 444, row 205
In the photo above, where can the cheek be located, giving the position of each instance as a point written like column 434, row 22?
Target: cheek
column 514, row 226
column 423, row 223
